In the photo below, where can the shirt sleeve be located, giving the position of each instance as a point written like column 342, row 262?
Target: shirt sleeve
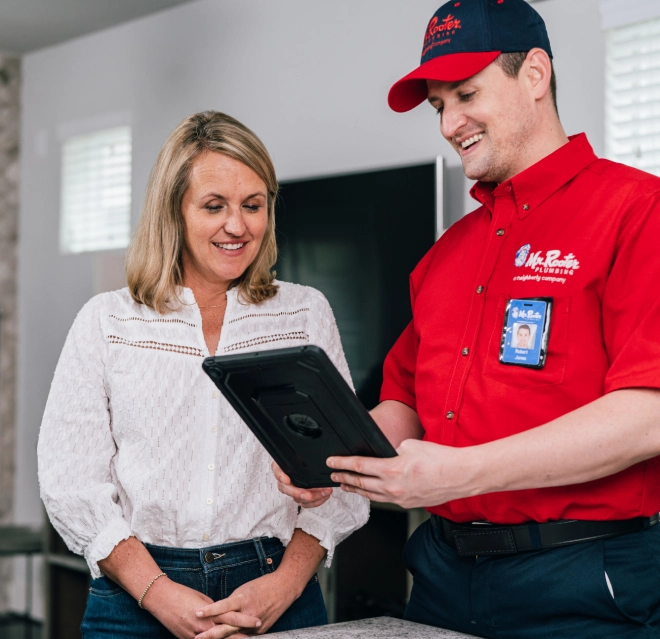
column 399, row 370
column 76, row 446
column 631, row 305
column 343, row 513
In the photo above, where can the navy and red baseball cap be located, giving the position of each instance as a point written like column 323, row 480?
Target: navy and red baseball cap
column 464, row 37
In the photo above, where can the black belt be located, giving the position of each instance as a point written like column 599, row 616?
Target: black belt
column 483, row 538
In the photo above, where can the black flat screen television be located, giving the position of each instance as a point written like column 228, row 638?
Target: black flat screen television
column 356, row 238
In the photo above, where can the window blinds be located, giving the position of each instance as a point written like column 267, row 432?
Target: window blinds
column 632, row 112
column 95, row 211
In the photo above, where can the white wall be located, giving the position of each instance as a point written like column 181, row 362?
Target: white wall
column 310, row 78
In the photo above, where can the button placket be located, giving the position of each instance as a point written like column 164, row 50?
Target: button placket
column 503, row 211
column 215, row 416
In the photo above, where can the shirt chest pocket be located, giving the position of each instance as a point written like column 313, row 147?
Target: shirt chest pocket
column 519, row 376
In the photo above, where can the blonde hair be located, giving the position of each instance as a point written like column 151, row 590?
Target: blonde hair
column 154, row 265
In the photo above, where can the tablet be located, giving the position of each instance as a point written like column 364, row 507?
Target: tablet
column 300, row 408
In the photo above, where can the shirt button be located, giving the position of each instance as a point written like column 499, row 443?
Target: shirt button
column 214, row 429
column 480, row 289
column 205, row 537
column 211, row 466
column 465, row 351
column 214, row 394
column 499, row 232
column 209, row 501
column 450, row 414
column 525, row 207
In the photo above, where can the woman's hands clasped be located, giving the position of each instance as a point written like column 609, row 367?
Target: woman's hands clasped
column 175, row 606
column 265, row 598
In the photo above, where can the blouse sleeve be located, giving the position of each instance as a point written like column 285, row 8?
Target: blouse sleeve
column 343, row 513
column 76, row 446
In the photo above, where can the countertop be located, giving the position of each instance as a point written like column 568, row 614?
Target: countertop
column 376, row 628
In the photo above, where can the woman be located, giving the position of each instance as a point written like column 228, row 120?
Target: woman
column 144, row 467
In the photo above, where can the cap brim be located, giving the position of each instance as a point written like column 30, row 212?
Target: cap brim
column 410, row 90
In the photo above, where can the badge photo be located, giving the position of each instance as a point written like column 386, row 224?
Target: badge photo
column 525, row 332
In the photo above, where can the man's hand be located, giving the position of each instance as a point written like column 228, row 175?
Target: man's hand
column 175, row 606
column 306, row 497
column 422, row 474
column 265, row 598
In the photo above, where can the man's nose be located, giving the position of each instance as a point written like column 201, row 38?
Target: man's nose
column 451, row 121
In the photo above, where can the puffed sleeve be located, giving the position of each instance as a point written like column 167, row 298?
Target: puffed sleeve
column 631, row 306
column 76, row 446
column 343, row 513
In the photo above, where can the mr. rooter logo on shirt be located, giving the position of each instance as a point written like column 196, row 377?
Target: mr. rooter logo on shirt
column 547, row 262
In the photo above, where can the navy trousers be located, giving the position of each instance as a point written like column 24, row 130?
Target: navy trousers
column 112, row 613
column 594, row 590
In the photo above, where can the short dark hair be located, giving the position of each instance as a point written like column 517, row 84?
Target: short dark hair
column 511, row 63
column 526, row 327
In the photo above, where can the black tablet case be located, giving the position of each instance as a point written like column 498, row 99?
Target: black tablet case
column 300, row 408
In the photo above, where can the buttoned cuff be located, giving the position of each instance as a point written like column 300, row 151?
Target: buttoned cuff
column 318, row 527
column 117, row 530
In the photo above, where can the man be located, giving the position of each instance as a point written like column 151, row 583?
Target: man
column 523, row 334
column 542, row 474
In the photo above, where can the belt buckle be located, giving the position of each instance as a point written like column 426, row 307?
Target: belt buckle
column 484, row 541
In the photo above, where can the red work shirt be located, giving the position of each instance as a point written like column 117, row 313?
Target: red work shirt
column 593, row 230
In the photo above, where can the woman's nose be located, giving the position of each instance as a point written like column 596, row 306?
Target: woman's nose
column 234, row 223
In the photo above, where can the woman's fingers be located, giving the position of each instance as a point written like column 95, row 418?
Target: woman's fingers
column 233, row 603
column 220, row 632
column 306, row 497
column 238, row 619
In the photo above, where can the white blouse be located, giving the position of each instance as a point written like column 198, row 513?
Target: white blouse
column 136, row 439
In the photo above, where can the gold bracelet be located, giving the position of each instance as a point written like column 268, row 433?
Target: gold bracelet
column 151, row 583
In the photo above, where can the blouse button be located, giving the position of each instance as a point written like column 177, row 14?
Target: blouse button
column 500, row 232
column 214, row 394
column 465, row 351
column 480, row 289
column 214, row 429
column 211, row 466
column 209, row 501
column 450, row 414
column 525, row 207
column 205, row 537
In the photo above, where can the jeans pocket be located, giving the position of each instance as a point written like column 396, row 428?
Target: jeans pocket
column 631, row 577
column 104, row 587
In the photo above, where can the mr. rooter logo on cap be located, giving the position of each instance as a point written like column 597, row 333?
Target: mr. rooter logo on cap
column 437, row 34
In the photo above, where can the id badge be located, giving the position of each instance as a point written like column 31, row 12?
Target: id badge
column 525, row 332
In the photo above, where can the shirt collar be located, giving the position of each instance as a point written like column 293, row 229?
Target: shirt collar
column 537, row 183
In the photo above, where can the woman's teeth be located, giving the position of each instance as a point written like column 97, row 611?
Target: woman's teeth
column 470, row 141
column 229, row 247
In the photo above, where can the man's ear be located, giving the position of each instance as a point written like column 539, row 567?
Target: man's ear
column 537, row 71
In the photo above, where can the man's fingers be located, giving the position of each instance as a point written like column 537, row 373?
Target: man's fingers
column 238, row 619
column 361, row 482
column 361, row 465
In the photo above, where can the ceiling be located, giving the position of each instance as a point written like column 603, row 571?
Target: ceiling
column 26, row 25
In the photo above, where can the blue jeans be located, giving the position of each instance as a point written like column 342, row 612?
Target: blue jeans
column 558, row 593
column 112, row 613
